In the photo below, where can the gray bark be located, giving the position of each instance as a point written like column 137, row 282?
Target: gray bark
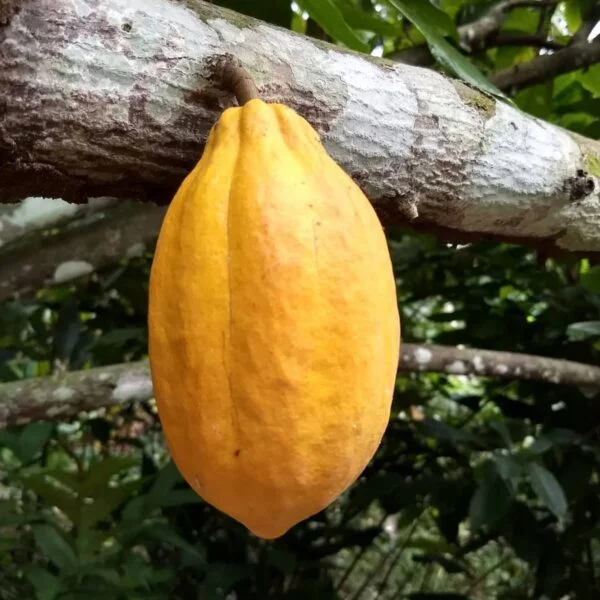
column 116, row 97
column 67, row 394
column 77, row 248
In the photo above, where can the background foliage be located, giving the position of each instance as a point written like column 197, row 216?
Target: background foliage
column 481, row 489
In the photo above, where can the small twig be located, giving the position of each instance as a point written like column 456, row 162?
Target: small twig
column 356, row 560
column 385, row 558
column 487, row 573
column 397, row 558
column 238, row 81
column 517, row 39
column 590, row 562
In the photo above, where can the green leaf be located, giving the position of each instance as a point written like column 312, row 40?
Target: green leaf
column 98, row 476
column 509, row 469
column 282, row 559
column 164, row 482
column 548, row 490
column 66, row 478
column 502, row 429
column 117, row 338
column 431, row 17
column 363, row 21
column 9, row 439
column 63, row 499
column 221, row 577
column 164, row 533
column 106, row 502
column 33, row 438
column 490, row 502
column 179, row 498
column 536, row 100
column 590, row 79
column 67, row 330
column 46, row 585
column 552, row 438
column 445, row 54
column 591, row 280
column 54, row 546
column 583, row 330
column 445, row 433
column 11, row 515
column 329, row 17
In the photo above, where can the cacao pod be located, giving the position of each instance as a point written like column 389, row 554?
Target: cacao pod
column 274, row 331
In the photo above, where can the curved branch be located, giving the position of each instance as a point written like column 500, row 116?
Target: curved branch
column 133, row 122
column 67, row 394
column 575, row 56
column 475, row 35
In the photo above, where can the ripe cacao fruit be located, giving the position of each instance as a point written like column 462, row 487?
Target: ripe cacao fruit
column 274, row 332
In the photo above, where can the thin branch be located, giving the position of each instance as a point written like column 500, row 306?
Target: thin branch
column 573, row 57
column 421, row 56
column 66, row 394
column 475, row 35
column 518, row 39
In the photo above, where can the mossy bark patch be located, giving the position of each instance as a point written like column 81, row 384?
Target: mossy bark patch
column 483, row 103
column 592, row 161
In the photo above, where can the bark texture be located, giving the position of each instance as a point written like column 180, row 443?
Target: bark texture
column 68, row 394
column 77, row 248
column 116, row 97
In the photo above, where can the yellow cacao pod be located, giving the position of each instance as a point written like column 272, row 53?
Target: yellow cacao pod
column 274, row 332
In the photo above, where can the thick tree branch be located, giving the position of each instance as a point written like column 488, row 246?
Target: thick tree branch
column 68, row 394
column 133, row 121
column 575, row 56
column 79, row 248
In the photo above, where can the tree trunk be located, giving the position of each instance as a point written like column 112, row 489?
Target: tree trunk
column 115, row 98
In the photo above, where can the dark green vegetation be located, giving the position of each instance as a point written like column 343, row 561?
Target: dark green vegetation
column 495, row 493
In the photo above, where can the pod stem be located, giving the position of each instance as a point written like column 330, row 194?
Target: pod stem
column 238, row 81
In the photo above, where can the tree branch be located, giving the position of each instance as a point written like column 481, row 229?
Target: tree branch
column 493, row 363
column 77, row 249
column 575, row 56
column 420, row 55
column 34, row 215
column 518, row 39
column 476, row 34
column 590, row 20
column 133, row 122
column 67, row 394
